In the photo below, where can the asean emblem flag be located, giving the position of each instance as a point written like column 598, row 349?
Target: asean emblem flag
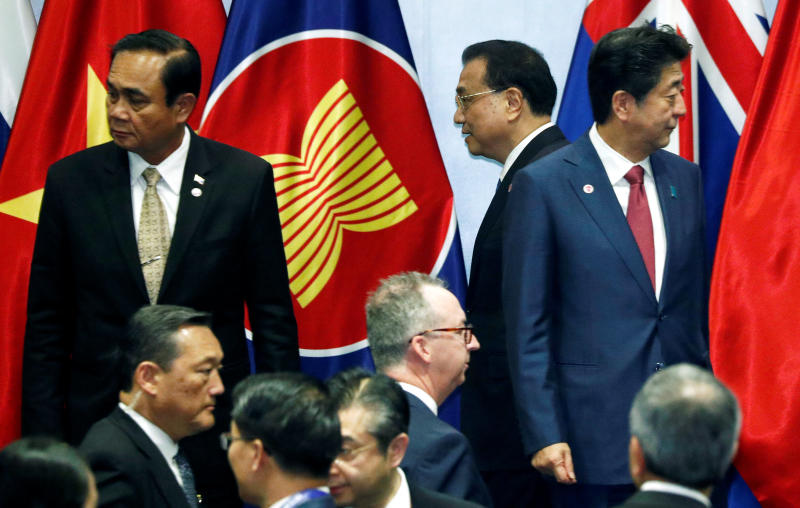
column 328, row 94
column 62, row 110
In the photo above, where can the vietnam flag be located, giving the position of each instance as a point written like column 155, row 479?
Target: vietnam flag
column 755, row 291
column 61, row 111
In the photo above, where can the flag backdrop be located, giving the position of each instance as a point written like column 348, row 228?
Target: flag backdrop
column 729, row 38
column 62, row 110
column 16, row 38
column 755, row 290
column 327, row 92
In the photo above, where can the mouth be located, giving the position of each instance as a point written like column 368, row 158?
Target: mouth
column 336, row 489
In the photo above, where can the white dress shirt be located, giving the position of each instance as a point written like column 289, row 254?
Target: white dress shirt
column 674, row 488
column 616, row 166
column 514, row 155
column 402, row 497
column 168, row 188
column 421, row 395
column 163, row 442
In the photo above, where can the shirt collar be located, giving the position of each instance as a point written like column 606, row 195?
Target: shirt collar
column 514, row 155
column 161, row 439
column 402, row 497
column 615, row 164
column 421, row 395
column 674, row 488
column 171, row 168
column 298, row 497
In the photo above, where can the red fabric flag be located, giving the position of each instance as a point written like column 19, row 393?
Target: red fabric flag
column 755, row 294
column 61, row 111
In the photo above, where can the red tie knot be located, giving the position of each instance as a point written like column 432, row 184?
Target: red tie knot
column 635, row 175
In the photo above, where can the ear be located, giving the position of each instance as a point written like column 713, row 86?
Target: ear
column 515, row 102
column 622, row 105
column 636, row 460
column 260, row 457
column 184, row 105
column 420, row 346
column 147, row 376
column 397, row 449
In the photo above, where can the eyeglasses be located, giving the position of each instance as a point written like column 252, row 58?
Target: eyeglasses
column 465, row 101
column 349, row 455
column 466, row 333
column 226, row 438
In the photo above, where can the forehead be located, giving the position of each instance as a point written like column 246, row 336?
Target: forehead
column 355, row 421
column 137, row 67
column 197, row 344
column 445, row 304
column 472, row 75
column 671, row 77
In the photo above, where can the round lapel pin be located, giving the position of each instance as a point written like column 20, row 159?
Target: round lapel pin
column 588, row 188
column 197, row 192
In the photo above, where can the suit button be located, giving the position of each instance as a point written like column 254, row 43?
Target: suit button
column 662, row 317
column 659, row 366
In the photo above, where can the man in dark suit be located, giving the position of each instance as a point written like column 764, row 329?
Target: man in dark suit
column 418, row 336
column 604, row 277
column 504, row 98
column 284, row 436
column 374, row 415
column 170, row 382
column 204, row 232
column 684, row 434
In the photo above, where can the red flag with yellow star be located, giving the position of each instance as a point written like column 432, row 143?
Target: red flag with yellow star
column 61, row 111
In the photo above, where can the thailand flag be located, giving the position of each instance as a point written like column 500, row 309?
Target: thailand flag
column 327, row 93
column 16, row 39
column 729, row 38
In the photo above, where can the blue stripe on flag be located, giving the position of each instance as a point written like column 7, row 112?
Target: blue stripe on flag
column 4, row 133
column 575, row 112
column 323, row 368
column 716, row 157
column 453, row 271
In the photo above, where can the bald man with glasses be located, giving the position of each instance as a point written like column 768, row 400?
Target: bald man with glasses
column 418, row 335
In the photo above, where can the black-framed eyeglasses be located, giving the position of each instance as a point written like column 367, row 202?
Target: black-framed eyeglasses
column 350, row 454
column 466, row 332
column 226, row 438
column 465, row 101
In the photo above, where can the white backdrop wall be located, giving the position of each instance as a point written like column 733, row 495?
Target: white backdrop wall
column 438, row 30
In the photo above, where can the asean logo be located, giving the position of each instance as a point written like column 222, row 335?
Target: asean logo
column 361, row 188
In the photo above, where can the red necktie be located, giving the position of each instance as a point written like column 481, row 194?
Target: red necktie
column 640, row 221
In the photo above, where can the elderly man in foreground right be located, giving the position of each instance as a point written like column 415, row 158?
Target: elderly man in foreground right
column 684, row 433
column 418, row 336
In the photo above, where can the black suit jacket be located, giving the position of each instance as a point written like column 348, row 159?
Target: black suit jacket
column 439, row 457
column 425, row 498
column 488, row 418
column 652, row 499
column 128, row 468
column 86, row 282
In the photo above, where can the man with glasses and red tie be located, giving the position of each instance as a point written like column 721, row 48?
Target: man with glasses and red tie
column 418, row 335
column 604, row 278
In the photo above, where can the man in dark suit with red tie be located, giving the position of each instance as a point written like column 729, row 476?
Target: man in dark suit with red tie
column 158, row 215
column 604, row 278
column 504, row 98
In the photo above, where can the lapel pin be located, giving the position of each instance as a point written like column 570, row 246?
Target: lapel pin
column 197, row 192
column 673, row 192
column 588, row 188
column 199, row 179
column 509, row 187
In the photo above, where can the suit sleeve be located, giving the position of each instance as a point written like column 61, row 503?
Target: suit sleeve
column 529, row 263
column 115, row 486
column 268, row 300
column 47, row 333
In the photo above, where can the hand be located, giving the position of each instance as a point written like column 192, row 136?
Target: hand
column 555, row 460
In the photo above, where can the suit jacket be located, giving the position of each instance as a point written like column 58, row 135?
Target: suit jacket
column 653, row 499
column 128, row 467
column 439, row 457
column 86, row 282
column 488, row 418
column 584, row 328
column 425, row 498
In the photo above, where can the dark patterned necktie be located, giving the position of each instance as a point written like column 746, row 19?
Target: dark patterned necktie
column 187, row 477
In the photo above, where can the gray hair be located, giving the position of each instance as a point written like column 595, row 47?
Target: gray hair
column 395, row 312
column 687, row 423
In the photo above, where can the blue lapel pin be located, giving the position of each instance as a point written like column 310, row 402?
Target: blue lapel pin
column 672, row 192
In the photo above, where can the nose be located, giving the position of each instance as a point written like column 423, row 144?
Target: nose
column 473, row 344
column 116, row 110
column 216, row 387
column 680, row 106
column 334, row 472
column 458, row 116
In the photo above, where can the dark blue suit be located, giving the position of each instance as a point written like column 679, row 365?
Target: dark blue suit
column 584, row 328
column 440, row 458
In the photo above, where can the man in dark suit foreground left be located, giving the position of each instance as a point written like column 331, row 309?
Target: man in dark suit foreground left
column 684, row 433
column 374, row 414
column 284, row 436
column 170, row 380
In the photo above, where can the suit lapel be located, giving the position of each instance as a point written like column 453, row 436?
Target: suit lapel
column 116, row 190
column 603, row 206
column 669, row 207
column 158, row 468
column 191, row 206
